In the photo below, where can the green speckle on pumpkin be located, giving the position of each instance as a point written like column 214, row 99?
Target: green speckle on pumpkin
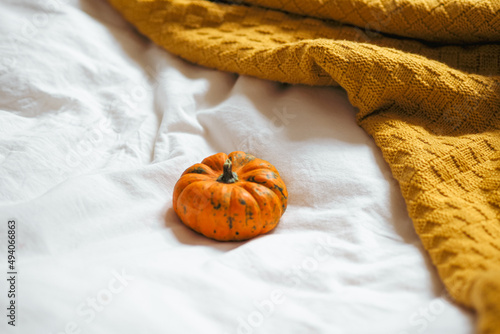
column 280, row 189
column 198, row 170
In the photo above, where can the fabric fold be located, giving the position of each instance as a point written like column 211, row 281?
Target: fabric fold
column 433, row 109
column 461, row 22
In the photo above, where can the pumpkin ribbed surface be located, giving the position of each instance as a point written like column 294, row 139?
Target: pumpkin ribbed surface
column 247, row 203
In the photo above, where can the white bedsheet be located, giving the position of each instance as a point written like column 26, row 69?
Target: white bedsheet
column 97, row 124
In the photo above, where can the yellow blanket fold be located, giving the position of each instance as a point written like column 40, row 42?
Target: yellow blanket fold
column 432, row 108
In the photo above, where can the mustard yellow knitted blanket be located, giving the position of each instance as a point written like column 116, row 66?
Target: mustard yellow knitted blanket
column 425, row 76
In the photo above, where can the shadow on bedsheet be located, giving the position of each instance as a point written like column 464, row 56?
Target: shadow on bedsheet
column 403, row 226
column 310, row 107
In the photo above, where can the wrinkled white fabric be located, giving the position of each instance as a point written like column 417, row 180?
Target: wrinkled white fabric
column 97, row 124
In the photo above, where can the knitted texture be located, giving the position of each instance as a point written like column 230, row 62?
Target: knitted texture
column 432, row 107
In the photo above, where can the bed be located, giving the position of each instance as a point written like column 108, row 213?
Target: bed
column 98, row 123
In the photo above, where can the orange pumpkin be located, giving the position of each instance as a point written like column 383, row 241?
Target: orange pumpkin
column 230, row 198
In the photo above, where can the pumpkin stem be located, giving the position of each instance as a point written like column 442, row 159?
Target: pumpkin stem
column 228, row 176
